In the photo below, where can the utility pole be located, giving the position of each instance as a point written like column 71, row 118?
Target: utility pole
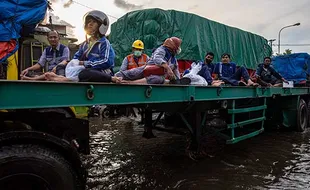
column 270, row 42
column 279, row 44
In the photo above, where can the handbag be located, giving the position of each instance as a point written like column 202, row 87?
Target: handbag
column 153, row 70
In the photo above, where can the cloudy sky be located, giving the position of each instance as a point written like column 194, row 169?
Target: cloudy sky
column 262, row 17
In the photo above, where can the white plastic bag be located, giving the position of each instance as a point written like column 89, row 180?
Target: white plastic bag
column 73, row 69
column 195, row 78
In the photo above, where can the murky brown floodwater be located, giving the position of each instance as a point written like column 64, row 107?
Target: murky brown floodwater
column 121, row 159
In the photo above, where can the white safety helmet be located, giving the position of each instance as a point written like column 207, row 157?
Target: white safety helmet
column 101, row 18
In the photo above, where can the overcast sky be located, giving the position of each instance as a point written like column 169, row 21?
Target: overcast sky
column 262, row 17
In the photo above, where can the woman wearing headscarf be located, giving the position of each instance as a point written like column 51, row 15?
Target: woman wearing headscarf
column 162, row 64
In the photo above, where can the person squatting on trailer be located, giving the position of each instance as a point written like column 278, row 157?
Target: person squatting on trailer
column 266, row 75
column 53, row 59
column 162, row 64
column 94, row 61
column 227, row 71
column 137, row 58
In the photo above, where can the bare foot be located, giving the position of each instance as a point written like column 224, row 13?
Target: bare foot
column 217, row 83
column 32, row 78
column 61, row 79
column 251, row 83
column 125, row 82
column 25, row 78
column 117, row 80
column 50, row 76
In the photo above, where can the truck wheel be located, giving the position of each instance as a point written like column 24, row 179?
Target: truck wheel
column 35, row 167
column 105, row 113
column 302, row 116
column 66, row 113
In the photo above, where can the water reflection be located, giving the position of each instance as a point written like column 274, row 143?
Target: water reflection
column 296, row 172
column 121, row 159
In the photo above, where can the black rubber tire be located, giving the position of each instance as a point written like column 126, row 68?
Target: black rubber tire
column 66, row 112
column 105, row 113
column 35, row 167
column 302, row 116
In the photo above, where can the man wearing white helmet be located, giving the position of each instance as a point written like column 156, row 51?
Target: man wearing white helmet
column 137, row 58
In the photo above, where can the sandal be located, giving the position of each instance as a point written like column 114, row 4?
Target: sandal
column 182, row 81
column 241, row 83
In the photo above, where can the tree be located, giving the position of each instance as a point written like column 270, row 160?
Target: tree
column 287, row 52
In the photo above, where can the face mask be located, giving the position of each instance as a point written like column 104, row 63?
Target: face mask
column 179, row 50
column 137, row 53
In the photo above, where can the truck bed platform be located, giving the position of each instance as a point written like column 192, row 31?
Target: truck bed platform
column 45, row 94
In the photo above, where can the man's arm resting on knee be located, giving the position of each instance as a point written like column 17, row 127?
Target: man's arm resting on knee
column 32, row 68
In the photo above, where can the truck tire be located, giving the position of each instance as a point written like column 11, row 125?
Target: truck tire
column 302, row 116
column 105, row 113
column 67, row 112
column 35, row 167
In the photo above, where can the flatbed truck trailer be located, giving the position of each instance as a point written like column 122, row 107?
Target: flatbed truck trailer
column 40, row 144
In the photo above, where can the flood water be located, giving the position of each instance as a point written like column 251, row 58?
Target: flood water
column 121, row 159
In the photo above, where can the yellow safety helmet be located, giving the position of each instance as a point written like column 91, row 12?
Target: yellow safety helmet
column 138, row 44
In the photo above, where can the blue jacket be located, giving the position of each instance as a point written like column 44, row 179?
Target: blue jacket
column 225, row 70
column 100, row 56
column 268, row 74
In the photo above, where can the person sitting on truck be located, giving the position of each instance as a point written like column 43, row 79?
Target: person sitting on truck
column 207, row 64
column 227, row 71
column 266, row 75
column 95, row 53
column 136, row 59
column 53, row 59
column 207, row 70
column 162, row 64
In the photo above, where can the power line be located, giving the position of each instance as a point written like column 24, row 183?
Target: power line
column 92, row 8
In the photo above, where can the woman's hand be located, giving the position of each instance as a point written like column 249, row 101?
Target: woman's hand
column 169, row 71
column 171, row 75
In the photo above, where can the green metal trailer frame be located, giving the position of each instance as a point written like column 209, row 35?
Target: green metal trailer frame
column 32, row 108
column 36, row 94
column 283, row 103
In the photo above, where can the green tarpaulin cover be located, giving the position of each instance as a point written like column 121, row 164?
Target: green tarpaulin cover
column 199, row 35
